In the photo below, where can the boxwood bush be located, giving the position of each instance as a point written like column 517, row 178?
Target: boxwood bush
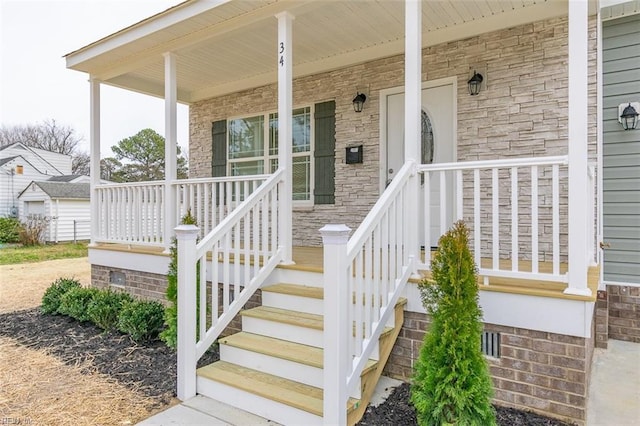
column 75, row 302
column 105, row 307
column 9, row 230
column 141, row 319
column 51, row 298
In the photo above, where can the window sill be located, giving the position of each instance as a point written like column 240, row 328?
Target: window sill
column 302, row 209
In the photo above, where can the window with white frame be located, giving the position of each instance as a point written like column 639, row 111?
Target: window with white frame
column 253, row 149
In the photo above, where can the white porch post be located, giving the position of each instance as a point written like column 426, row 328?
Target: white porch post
column 285, row 132
column 94, row 152
column 578, row 121
column 413, row 104
column 170, row 146
column 186, row 236
column 336, row 329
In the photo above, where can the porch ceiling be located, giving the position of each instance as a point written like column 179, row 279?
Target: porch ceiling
column 224, row 46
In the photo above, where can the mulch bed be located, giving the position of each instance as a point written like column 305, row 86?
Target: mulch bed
column 151, row 367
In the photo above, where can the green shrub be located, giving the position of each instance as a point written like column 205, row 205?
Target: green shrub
column 142, row 320
column 451, row 383
column 105, row 307
column 75, row 302
column 9, row 230
column 51, row 298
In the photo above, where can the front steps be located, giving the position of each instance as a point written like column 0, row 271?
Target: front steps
column 274, row 367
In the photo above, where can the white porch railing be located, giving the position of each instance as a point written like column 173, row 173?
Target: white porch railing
column 133, row 213
column 130, row 213
column 514, row 208
column 236, row 256
column 211, row 199
column 363, row 280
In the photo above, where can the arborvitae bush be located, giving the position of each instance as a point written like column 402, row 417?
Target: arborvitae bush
column 451, row 383
column 52, row 295
column 170, row 334
column 141, row 319
column 74, row 303
column 105, row 307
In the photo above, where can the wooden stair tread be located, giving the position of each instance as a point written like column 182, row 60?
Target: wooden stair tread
column 294, row 394
column 296, row 290
column 285, row 316
column 283, row 349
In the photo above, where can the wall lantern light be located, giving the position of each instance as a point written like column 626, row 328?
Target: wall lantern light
column 474, row 83
column 629, row 115
column 358, row 102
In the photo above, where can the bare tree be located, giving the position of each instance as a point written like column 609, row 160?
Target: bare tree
column 80, row 164
column 47, row 135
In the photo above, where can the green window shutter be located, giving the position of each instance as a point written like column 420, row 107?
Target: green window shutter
column 219, row 148
column 325, row 153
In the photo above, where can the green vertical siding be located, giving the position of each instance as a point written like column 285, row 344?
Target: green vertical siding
column 621, row 151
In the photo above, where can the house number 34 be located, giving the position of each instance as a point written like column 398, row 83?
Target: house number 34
column 281, row 52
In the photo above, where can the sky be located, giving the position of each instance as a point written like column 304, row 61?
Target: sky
column 35, row 84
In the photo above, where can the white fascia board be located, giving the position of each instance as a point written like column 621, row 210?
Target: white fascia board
column 145, row 87
column 158, row 22
column 150, row 263
column 548, row 314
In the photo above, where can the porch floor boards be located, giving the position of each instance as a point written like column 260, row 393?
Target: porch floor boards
column 311, row 259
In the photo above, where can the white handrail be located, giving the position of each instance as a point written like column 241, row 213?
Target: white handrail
column 234, row 258
column 374, row 265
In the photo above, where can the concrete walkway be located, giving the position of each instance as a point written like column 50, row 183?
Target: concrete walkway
column 614, row 395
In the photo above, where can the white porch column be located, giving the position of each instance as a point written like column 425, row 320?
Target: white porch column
column 285, row 132
column 170, row 146
column 413, row 103
column 94, row 153
column 578, row 120
column 336, row 335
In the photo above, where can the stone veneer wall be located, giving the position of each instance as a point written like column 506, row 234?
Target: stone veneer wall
column 521, row 113
column 538, row 371
column 144, row 285
column 624, row 313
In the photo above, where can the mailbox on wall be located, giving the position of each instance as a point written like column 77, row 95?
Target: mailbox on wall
column 354, row 154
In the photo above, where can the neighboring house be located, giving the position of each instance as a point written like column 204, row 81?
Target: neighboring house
column 297, row 120
column 38, row 182
column 65, row 200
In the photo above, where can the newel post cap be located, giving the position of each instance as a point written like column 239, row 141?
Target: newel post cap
column 335, row 234
column 186, row 232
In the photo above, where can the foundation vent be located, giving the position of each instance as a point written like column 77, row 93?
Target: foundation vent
column 490, row 344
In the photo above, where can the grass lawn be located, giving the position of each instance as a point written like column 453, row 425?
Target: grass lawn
column 14, row 255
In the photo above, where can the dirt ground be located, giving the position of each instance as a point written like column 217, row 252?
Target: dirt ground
column 22, row 285
column 37, row 387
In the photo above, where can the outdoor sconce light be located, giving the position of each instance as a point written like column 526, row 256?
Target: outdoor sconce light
column 474, row 83
column 358, row 101
column 629, row 115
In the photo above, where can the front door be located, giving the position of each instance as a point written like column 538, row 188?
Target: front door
column 437, row 146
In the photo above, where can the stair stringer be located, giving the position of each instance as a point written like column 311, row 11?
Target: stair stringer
column 369, row 380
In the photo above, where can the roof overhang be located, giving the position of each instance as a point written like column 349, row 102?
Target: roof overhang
column 224, row 46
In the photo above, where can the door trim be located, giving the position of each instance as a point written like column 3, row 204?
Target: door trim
column 384, row 93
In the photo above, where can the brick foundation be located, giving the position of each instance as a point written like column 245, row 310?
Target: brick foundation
column 537, row 371
column 144, row 285
column 624, row 313
column 602, row 320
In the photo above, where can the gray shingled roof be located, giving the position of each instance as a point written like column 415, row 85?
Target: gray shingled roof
column 63, row 178
column 65, row 189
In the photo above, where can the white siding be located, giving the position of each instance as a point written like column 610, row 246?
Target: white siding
column 66, row 214
column 59, row 161
column 12, row 184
